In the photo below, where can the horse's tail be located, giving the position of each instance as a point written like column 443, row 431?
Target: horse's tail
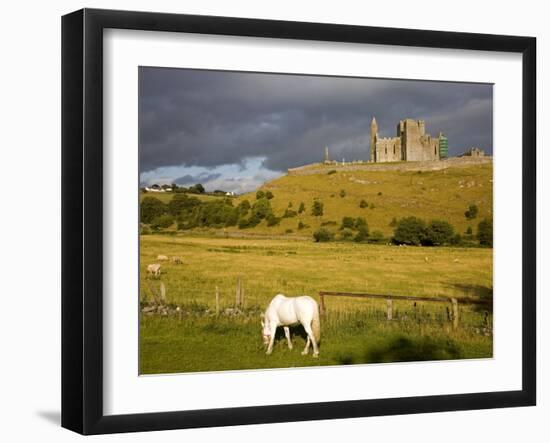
column 316, row 325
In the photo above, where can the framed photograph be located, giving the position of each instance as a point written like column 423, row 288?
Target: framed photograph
column 268, row 221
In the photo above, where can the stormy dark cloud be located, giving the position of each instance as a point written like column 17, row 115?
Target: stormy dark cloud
column 189, row 179
column 206, row 119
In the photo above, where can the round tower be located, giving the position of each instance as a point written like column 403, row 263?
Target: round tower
column 373, row 136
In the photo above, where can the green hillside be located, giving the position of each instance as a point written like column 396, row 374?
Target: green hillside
column 441, row 194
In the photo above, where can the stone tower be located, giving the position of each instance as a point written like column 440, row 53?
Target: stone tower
column 327, row 159
column 373, row 135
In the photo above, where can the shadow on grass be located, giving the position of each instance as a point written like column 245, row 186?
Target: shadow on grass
column 483, row 293
column 404, row 349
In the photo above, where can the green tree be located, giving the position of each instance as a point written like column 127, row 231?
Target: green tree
column 261, row 208
column 260, row 194
column 302, row 208
column 438, row 232
column 342, row 193
column 162, row 221
column 363, row 204
column 182, row 202
column 376, row 237
column 323, row 235
column 317, row 208
column 409, row 231
column 362, row 234
column 196, row 189
column 360, row 222
column 347, row 223
column 272, row 220
column 269, row 195
column 485, row 232
column 346, row 234
column 472, row 212
column 151, row 208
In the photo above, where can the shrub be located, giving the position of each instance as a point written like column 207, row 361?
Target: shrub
column 332, row 171
column 342, row 193
column 317, row 208
column 347, row 222
column 329, row 223
column 360, row 222
column 362, row 234
column 260, row 194
column 151, row 208
column 162, row 221
column 289, row 205
column 380, row 193
column 323, row 235
column 182, row 202
column 372, row 206
column 485, row 233
column 471, row 213
column 346, row 234
column 409, row 231
column 261, row 208
column 272, row 220
column 376, row 237
column 289, row 213
column 196, row 189
column 456, row 240
column 302, row 225
column 469, row 230
column 393, row 222
column 269, row 195
column 438, row 232
column 302, row 208
column 244, row 207
column 363, row 204
column 289, row 231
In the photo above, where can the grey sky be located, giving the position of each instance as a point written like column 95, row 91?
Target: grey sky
column 249, row 127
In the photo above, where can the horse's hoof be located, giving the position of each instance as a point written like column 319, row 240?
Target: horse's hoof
column 316, row 355
column 304, row 352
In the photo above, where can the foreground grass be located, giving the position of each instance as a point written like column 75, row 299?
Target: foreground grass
column 171, row 345
column 354, row 331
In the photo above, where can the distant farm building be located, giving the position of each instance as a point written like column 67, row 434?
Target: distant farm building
column 474, row 152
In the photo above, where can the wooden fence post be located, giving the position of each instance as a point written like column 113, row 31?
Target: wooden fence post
column 454, row 302
column 217, row 301
column 389, row 303
column 242, row 296
column 238, row 293
column 162, row 293
column 322, row 299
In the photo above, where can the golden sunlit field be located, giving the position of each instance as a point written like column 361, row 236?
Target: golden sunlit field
column 353, row 330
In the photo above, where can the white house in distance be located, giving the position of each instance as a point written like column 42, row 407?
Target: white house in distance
column 157, row 188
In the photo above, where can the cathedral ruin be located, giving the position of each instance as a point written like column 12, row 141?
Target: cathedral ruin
column 411, row 144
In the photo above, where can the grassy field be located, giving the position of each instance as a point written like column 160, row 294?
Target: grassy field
column 353, row 331
column 443, row 194
column 392, row 194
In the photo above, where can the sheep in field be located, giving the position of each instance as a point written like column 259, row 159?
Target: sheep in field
column 153, row 270
column 177, row 260
column 162, row 257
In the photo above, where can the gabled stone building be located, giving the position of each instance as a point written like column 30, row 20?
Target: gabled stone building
column 411, row 144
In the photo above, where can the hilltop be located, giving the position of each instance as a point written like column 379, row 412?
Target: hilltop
column 429, row 190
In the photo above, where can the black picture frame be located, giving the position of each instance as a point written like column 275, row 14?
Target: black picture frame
column 82, row 218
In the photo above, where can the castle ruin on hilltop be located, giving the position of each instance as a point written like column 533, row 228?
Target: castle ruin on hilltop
column 411, row 144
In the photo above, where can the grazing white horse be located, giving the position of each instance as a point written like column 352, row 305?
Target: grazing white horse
column 288, row 311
